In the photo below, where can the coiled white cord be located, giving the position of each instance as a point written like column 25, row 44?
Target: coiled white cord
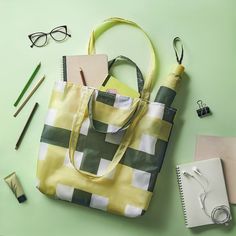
column 219, row 214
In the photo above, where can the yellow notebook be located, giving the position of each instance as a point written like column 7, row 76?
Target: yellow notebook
column 113, row 85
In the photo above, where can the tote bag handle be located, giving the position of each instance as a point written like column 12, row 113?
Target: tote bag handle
column 142, row 106
column 78, row 120
column 132, row 111
column 111, row 22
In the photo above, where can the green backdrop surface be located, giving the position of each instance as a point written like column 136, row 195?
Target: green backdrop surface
column 208, row 32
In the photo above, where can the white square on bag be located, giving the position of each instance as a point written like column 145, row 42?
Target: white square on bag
column 156, row 110
column 60, row 86
column 64, row 192
column 122, row 102
column 51, row 117
column 85, row 127
column 132, row 211
column 43, row 151
column 99, row 202
column 113, row 128
column 102, row 168
column 77, row 159
column 141, row 179
column 147, row 144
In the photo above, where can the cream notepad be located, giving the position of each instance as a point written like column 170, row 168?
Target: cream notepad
column 94, row 67
column 225, row 148
column 212, row 179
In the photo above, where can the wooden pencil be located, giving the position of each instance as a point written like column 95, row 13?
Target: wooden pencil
column 82, row 76
column 29, row 96
column 26, row 126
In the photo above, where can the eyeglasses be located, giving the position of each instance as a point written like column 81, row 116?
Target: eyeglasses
column 40, row 39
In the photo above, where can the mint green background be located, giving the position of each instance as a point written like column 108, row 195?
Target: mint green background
column 208, row 32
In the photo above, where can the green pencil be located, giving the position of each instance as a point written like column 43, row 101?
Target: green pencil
column 27, row 84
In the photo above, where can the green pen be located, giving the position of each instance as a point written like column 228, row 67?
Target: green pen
column 27, row 84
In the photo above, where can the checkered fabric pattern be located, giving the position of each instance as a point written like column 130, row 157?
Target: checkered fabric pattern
column 126, row 190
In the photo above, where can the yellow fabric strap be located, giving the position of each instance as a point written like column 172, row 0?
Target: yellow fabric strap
column 125, row 141
column 78, row 120
column 107, row 24
column 142, row 106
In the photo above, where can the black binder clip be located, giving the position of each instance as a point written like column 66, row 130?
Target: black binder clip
column 203, row 109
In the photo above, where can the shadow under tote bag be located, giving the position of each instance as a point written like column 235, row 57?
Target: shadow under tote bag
column 104, row 150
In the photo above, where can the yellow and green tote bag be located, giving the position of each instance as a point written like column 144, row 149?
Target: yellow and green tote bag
column 104, row 150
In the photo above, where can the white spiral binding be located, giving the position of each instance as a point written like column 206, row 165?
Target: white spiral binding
column 181, row 194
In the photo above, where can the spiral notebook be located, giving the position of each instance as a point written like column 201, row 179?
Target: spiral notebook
column 95, row 70
column 190, row 190
column 94, row 67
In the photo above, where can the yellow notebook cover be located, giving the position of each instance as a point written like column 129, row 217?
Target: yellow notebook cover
column 113, row 85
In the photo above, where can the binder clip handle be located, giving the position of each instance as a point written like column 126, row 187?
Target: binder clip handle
column 203, row 109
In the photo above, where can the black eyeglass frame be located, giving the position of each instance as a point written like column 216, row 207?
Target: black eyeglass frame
column 42, row 34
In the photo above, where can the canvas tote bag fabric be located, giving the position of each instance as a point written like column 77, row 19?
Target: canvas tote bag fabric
column 104, row 150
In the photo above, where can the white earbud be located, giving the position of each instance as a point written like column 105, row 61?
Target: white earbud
column 215, row 213
column 196, row 170
column 185, row 173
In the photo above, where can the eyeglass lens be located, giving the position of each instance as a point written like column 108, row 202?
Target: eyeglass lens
column 39, row 39
column 59, row 33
